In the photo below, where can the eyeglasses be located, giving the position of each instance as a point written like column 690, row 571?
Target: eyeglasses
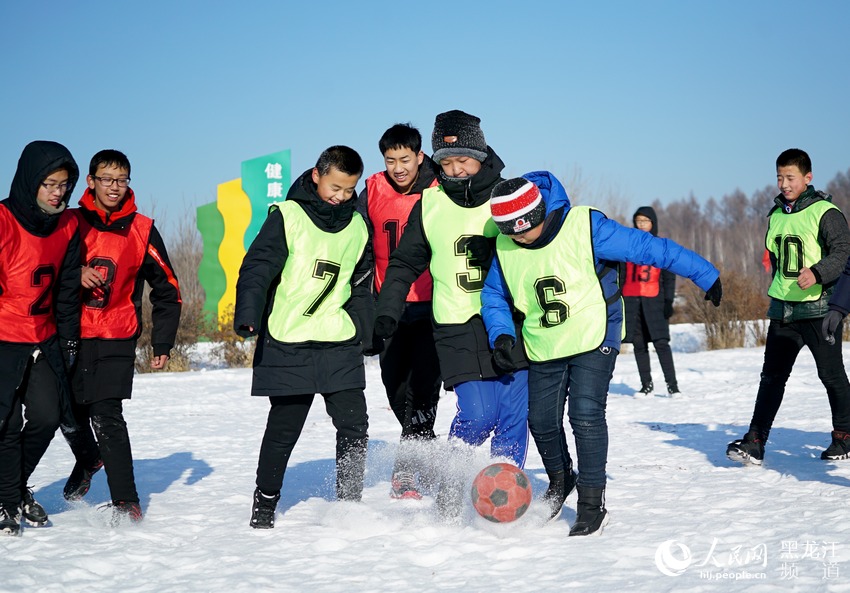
column 52, row 187
column 108, row 181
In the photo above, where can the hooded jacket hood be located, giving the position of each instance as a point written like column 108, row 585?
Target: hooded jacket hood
column 326, row 216
column 551, row 190
column 806, row 199
column 557, row 204
column 649, row 212
column 38, row 160
column 103, row 220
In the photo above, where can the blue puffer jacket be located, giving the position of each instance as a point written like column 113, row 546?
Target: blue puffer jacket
column 612, row 242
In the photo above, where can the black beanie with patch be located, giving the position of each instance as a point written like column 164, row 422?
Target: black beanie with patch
column 457, row 133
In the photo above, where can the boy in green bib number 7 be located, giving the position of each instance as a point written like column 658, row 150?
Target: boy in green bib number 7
column 809, row 243
column 303, row 289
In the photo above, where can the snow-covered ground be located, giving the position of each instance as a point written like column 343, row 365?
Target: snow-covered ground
column 683, row 517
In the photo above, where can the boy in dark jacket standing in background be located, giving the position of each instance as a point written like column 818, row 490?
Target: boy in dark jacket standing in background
column 648, row 294
column 121, row 250
column 809, row 245
column 304, row 289
column 39, row 321
column 410, row 369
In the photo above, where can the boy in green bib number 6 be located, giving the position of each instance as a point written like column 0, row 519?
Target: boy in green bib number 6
column 560, row 271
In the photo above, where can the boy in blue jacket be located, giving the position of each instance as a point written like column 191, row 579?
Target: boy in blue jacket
column 557, row 264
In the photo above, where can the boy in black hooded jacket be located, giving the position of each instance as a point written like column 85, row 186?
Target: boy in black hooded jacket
column 648, row 294
column 39, row 314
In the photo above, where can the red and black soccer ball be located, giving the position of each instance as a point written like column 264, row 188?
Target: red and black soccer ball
column 501, row 493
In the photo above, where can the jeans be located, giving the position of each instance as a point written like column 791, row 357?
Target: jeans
column 499, row 406
column 584, row 380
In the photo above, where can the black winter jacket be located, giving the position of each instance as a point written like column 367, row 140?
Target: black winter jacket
column 282, row 369
column 463, row 349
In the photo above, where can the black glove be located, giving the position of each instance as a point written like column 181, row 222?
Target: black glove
column 69, row 352
column 830, row 324
column 715, row 293
column 668, row 309
column 479, row 252
column 502, row 358
column 385, row 326
column 245, row 330
column 375, row 347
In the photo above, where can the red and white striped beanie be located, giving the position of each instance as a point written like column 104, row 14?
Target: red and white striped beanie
column 517, row 206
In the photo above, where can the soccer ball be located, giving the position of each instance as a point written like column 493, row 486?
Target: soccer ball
column 501, row 493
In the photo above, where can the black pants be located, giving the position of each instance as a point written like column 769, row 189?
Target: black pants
column 784, row 342
column 287, row 415
column 410, row 371
column 112, row 445
column 23, row 445
column 665, row 357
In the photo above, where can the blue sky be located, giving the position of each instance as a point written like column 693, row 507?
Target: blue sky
column 645, row 99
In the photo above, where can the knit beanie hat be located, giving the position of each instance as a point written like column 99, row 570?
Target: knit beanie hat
column 517, row 206
column 458, row 134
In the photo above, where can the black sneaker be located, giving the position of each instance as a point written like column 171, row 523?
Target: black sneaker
column 10, row 519
column 646, row 389
column 748, row 450
column 79, row 481
column 32, row 512
column 262, row 511
column 125, row 512
column 673, row 389
column 839, row 448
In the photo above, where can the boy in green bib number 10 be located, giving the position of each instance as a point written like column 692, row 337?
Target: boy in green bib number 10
column 304, row 289
column 557, row 264
column 809, row 242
